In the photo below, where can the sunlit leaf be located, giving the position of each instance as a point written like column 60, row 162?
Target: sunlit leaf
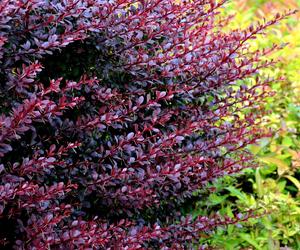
column 282, row 167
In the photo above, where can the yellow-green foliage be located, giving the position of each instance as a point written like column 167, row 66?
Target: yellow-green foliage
column 273, row 188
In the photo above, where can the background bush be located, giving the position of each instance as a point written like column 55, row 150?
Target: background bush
column 116, row 114
column 275, row 186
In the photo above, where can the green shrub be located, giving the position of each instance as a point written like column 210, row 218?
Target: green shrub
column 274, row 187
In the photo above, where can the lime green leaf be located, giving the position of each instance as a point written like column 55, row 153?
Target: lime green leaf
column 237, row 193
column 259, row 183
column 215, row 199
column 294, row 180
column 282, row 167
column 287, row 141
column 251, row 241
column 254, row 149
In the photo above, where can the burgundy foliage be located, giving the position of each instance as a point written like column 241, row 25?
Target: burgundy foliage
column 113, row 112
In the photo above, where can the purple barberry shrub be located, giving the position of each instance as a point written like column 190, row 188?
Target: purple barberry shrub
column 114, row 112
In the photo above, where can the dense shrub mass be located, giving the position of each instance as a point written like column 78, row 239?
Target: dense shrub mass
column 113, row 113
